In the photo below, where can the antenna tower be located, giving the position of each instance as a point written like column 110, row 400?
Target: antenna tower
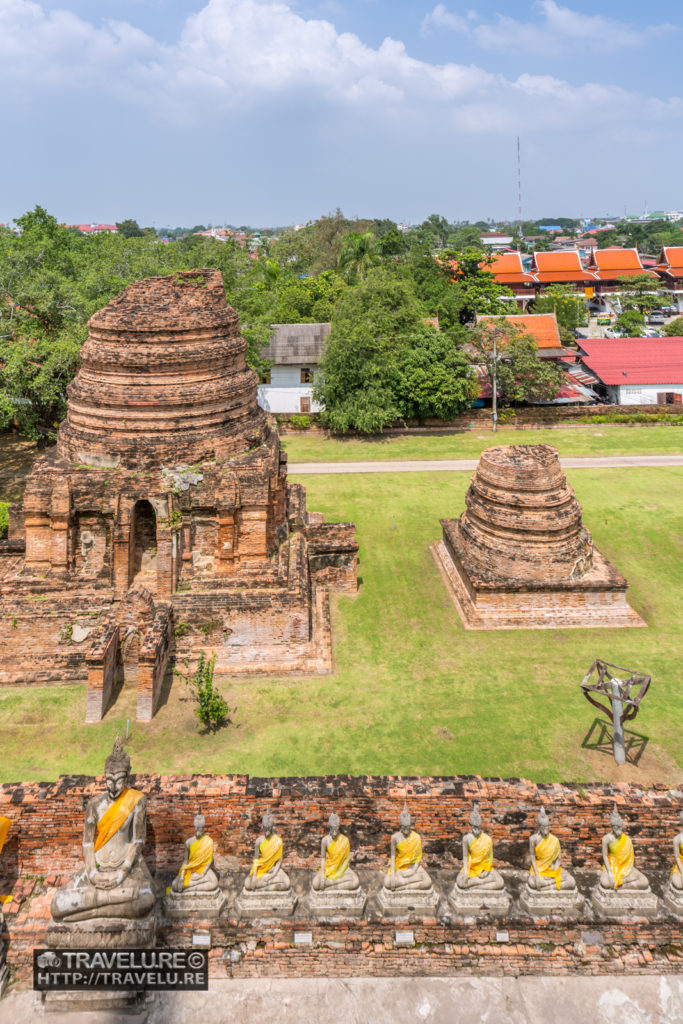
column 519, row 188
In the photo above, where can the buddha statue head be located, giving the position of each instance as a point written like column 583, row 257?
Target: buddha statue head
column 543, row 822
column 334, row 825
column 405, row 822
column 199, row 825
column 268, row 823
column 117, row 770
column 475, row 820
column 617, row 822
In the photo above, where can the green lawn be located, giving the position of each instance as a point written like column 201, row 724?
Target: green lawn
column 597, row 439
column 413, row 693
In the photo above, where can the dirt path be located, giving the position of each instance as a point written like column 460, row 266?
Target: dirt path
column 469, row 465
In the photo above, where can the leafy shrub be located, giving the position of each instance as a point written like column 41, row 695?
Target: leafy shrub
column 4, row 519
column 212, row 710
column 299, row 422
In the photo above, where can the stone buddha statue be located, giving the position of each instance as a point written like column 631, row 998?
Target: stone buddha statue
column 617, row 856
column 114, row 881
column 266, row 873
column 335, row 851
column 405, row 870
column 477, row 870
column 546, row 871
column 676, row 878
column 197, row 872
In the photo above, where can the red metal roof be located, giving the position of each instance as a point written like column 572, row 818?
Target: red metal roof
column 634, row 360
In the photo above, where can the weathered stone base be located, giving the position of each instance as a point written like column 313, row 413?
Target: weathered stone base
column 102, row 932
column 329, row 904
column 549, row 903
column 470, row 903
column 194, row 904
column 129, row 1006
column 673, row 900
column 587, row 604
column 407, row 904
column 253, row 905
column 617, row 905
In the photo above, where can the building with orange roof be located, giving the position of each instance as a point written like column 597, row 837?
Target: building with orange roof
column 561, row 268
column 542, row 327
column 608, row 266
column 508, row 269
column 670, row 271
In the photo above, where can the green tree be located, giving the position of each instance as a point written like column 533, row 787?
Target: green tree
column 507, row 352
column 358, row 254
column 130, row 229
column 631, row 323
column 675, row 328
column 568, row 306
column 480, row 292
column 641, row 292
column 382, row 362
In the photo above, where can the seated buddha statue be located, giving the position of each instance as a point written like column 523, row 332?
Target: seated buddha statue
column 114, row 880
column 266, row 873
column 546, row 871
column 477, row 870
column 676, row 878
column 617, row 856
column 405, row 870
column 197, row 872
column 335, row 851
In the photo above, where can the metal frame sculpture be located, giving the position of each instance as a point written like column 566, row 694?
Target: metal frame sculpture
column 623, row 703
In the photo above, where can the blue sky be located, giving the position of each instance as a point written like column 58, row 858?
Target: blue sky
column 263, row 112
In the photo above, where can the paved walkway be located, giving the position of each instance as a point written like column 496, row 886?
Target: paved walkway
column 468, row 465
column 561, row 999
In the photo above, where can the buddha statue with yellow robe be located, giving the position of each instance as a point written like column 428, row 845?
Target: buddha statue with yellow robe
column 477, row 870
column 405, row 870
column 546, row 871
column 114, row 881
column 676, row 877
column 266, row 873
column 619, row 872
column 335, row 853
column 197, row 872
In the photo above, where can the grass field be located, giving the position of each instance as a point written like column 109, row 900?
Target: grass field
column 412, row 692
column 597, row 439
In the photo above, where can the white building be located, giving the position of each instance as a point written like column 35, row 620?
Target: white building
column 295, row 351
column 636, row 371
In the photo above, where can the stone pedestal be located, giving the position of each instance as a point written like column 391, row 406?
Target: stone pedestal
column 489, row 903
column 253, row 905
column 194, row 904
column 624, row 905
column 99, row 933
column 551, row 903
column 329, row 903
column 401, row 903
column 673, row 900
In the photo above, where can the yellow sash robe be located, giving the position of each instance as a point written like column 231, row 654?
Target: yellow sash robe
column 5, row 825
column 674, row 870
column 546, row 853
column 620, row 858
column 337, row 857
column 408, row 852
column 200, row 856
column 115, row 816
column 271, row 852
column 480, row 855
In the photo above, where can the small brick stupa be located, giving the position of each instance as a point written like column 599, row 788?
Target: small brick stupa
column 519, row 557
column 162, row 524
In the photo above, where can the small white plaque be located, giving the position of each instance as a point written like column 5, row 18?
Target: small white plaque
column 202, row 939
column 502, row 937
column 303, row 938
column 404, row 938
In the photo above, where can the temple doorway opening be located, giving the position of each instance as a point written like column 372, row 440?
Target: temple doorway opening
column 143, row 545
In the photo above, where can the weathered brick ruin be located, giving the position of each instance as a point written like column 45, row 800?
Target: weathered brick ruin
column 49, row 817
column 519, row 557
column 163, row 523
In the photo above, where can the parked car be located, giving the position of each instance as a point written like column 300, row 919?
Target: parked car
column 612, row 332
column 670, row 311
column 656, row 318
column 604, row 321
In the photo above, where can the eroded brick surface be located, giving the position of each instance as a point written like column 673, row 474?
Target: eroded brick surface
column 167, row 479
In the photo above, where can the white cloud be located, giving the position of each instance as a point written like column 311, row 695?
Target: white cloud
column 245, row 55
column 557, row 28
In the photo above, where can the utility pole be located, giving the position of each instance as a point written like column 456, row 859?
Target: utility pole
column 494, row 407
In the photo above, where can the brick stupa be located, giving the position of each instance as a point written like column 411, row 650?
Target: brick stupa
column 162, row 524
column 519, row 557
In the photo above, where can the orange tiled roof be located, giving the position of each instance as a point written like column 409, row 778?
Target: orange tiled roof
column 671, row 261
column 541, row 326
column 557, row 261
column 608, row 264
column 507, row 268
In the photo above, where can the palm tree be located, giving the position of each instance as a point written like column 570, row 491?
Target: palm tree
column 358, row 254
